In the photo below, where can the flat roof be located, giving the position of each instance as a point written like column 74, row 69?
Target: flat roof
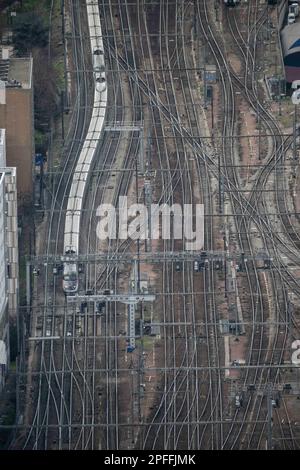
column 20, row 69
column 8, row 170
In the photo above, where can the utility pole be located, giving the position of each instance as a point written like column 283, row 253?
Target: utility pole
column 28, row 286
column 216, row 10
column 259, row 136
column 219, row 183
column 290, row 307
column 270, row 418
column 62, row 110
column 63, row 33
column 212, row 113
column 141, row 152
column 205, row 87
column 225, row 269
column 195, row 20
column 132, row 402
column 294, row 133
column 148, row 200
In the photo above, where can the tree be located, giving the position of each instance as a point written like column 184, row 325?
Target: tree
column 46, row 96
column 29, row 31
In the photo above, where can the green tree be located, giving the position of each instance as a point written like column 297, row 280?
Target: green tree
column 29, row 31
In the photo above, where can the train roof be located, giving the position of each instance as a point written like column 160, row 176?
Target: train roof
column 290, row 38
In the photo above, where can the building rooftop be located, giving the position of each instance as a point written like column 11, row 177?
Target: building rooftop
column 16, row 72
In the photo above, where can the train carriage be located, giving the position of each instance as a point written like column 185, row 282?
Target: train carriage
column 290, row 39
column 81, row 174
column 231, row 3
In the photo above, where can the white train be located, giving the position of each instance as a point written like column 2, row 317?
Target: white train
column 99, row 70
column 81, row 174
column 231, row 3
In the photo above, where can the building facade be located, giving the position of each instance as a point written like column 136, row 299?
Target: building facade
column 2, row 148
column 16, row 116
column 4, row 321
column 9, row 271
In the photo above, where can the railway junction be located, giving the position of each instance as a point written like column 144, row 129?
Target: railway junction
column 142, row 343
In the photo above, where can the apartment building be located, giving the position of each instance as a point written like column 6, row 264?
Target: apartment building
column 9, row 271
column 16, row 116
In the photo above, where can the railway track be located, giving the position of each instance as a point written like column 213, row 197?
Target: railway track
column 52, row 407
column 281, row 304
column 258, row 347
column 168, row 404
column 78, row 408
